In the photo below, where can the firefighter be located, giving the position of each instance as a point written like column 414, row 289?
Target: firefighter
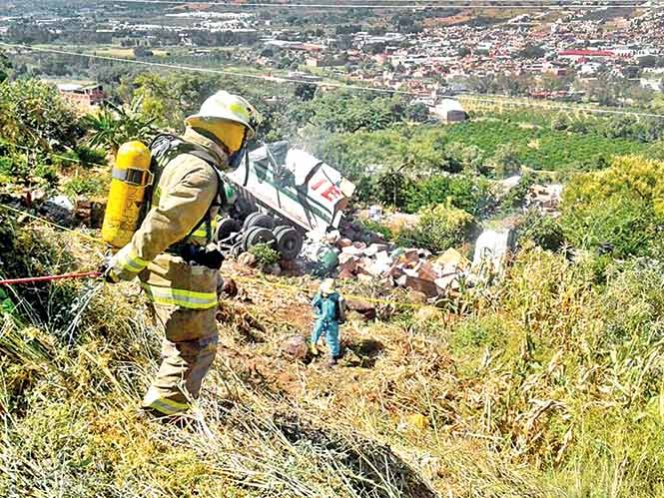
column 330, row 311
column 171, row 252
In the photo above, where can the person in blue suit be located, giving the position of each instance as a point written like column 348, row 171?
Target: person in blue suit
column 329, row 308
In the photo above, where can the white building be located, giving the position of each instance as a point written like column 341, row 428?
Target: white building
column 450, row 111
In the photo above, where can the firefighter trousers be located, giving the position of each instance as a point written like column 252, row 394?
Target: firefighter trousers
column 188, row 350
column 184, row 299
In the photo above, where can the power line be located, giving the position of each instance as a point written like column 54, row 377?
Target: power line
column 478, row 97
column 465, row 4
column 220, row 72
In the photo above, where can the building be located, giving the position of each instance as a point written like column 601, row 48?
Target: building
column 450, row 111
column 83, row 96
column 653, row 84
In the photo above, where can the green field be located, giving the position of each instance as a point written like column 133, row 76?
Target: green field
column 541, row 148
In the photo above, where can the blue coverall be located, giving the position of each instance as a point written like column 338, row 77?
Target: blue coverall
column 327, row 321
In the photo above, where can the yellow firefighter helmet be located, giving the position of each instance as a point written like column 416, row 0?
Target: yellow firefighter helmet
column 230, row 118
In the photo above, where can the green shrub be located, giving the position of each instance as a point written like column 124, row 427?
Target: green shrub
column 84, row 186
column 475, row 334
column 33, row 114
column 506, row 161
column 544, row 231
column 619, row 210
column 391, row 188
column 65, row 159
column 18, row 171
column 265, row 255
column 515, row 198
column 537, row 147
column 440, row 228
column 89, row 156
column 463, row 192
column 47, row 173
column 377, row 227
column 114, row 125
column 470, row 157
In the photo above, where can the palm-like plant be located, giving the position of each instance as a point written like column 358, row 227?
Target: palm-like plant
column 115, row 125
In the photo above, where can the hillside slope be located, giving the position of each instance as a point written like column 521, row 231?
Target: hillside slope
column 546, row 386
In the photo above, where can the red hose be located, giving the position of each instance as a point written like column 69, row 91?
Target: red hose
column 66, row 276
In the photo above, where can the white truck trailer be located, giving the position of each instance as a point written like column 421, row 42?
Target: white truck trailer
column 280, row 194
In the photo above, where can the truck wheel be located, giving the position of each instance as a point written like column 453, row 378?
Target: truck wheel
column 259, row 220
column 225, row 228
column 249, row 219
column 255, row 236
column 288, row 242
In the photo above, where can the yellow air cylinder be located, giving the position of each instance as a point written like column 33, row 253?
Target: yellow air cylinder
column 131, row 176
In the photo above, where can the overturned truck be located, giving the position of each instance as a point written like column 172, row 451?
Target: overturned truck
column 277, row 196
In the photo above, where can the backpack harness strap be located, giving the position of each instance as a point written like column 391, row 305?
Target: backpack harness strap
column 136, row 177
column 164, row 149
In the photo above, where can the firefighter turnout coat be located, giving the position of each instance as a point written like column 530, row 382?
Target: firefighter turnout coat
column 184, row 294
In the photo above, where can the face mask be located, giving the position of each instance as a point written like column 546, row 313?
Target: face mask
column 235, row 159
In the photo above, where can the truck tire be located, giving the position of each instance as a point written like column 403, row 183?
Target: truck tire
column 288, row 242
column 225, row 228
column 259, row 220
column 255, row 236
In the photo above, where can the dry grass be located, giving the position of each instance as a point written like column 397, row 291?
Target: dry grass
column 546, row 389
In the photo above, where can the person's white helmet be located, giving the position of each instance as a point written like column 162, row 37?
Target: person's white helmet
column 328, row 287
column 227, row 107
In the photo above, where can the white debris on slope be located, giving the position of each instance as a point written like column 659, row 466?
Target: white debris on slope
column 492, row 248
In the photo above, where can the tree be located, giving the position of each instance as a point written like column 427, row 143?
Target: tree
column 34, row 121
column 471, row 157
column 620, row 209
column 506, row 161
column 5, row 66
column 168, row 99
column 440, row 228
column 305, row 91
column 33, row 114
column 417, row 112
column 391, row 188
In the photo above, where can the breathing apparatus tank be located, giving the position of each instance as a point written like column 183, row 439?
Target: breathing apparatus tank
column 131, row 179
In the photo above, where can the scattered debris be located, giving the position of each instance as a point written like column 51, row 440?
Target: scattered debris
column 492, row 248
column 60, row 210
column 89, row 213
column 375, row 213
column 364, row 308
column 545, row 198
column 509, row 183
column 248, row 259
column 229, row 289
